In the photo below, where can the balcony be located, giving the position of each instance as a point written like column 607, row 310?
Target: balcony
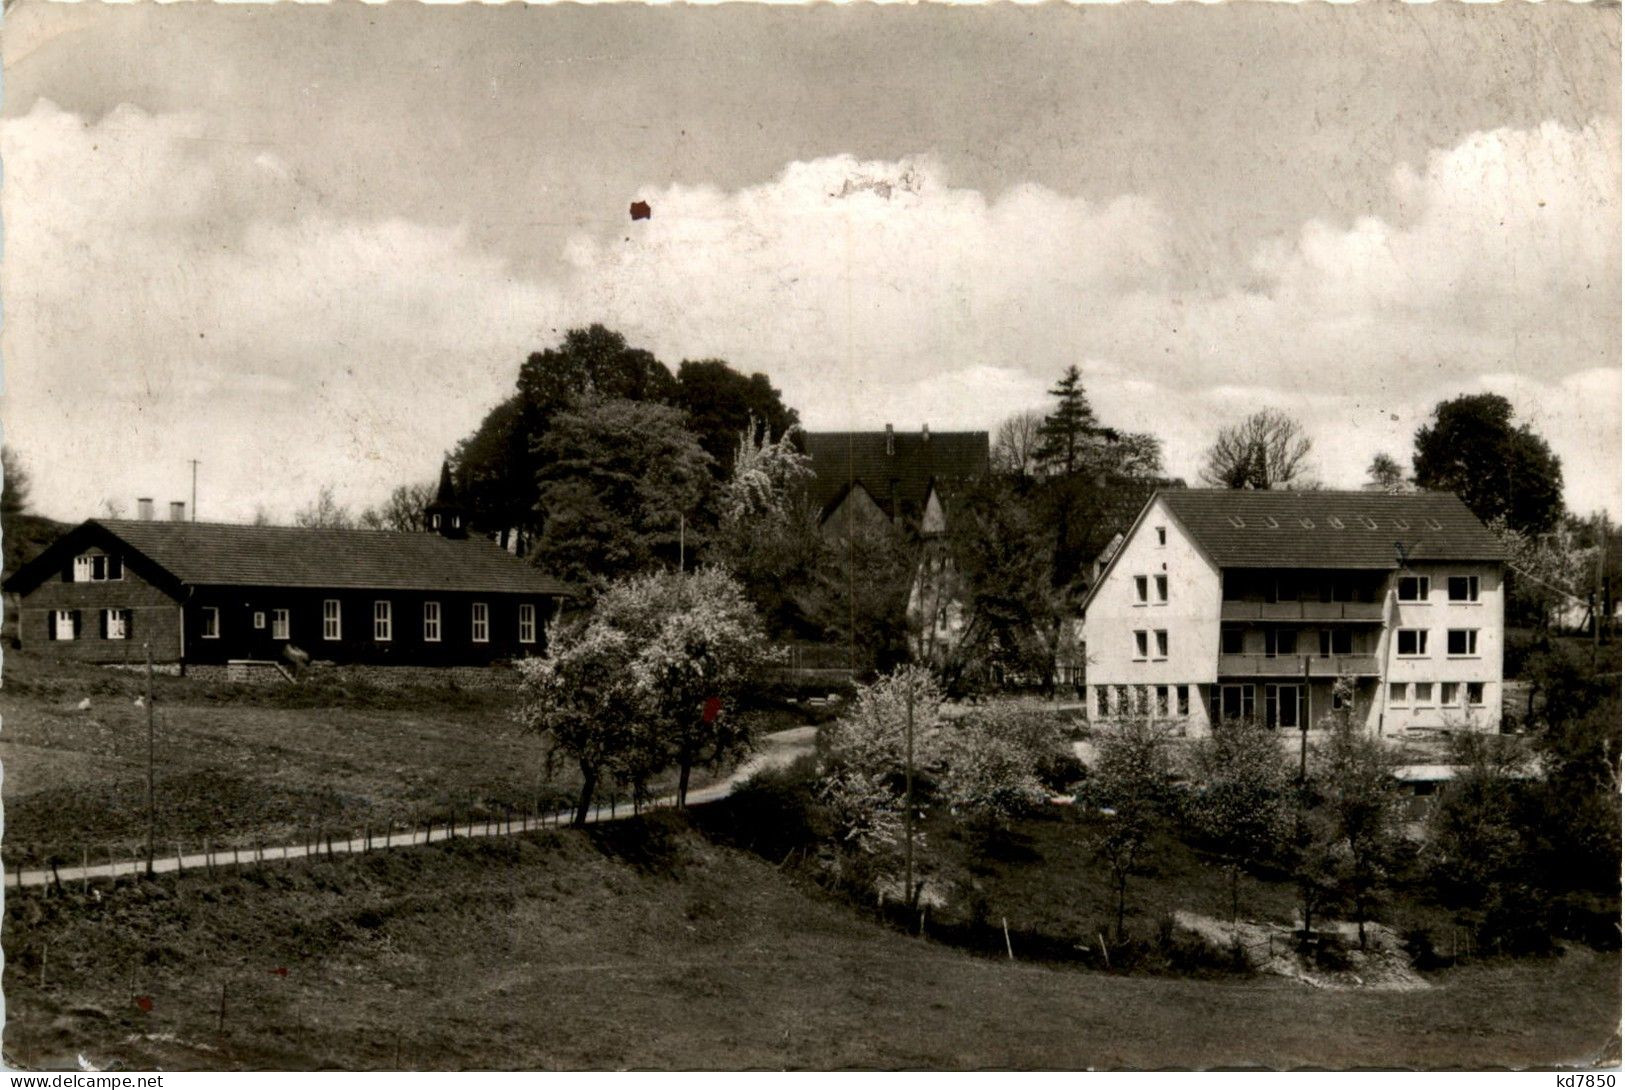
column 1370, row 612
column 1291, row 666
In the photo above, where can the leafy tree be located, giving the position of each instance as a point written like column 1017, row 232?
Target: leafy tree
column 1475, row 851
column 697, row 642
column 325, row 512
column 1067, row 433
column 1266, row 450
column 403, row 510
column 495, row 471
column 767, row 537
column 617, row 478
column 1472, row 448
column 1352, row 786
column 1003, row 549
column 1128, row 784
column 1384, row 472
column 866, row 770
column 859, row 590
column 1242, row 803
column 722, row 402
column 993, row 760
column 16, row 486
column 594, row 361
column 585, row 700
column 1016, row 443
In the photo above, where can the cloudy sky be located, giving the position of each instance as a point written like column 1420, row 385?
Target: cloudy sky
column 310, row 246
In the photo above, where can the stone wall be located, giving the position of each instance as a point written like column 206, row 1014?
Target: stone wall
column 383, row 677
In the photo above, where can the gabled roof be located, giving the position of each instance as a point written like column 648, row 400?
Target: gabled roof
column 1239, row 528
column 898, row 481
column 223, row 554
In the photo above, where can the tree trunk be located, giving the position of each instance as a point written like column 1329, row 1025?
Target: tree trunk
column 1235, row 894
column 1122, row 896
column 589, row 784
column 685, row 764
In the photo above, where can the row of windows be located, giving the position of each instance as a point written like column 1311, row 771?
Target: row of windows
column 383, row 622
column 114, row 624
column 1412, row 643
column 1419, row 588
column 95, row 568
column 1283, row 642
column 1143, row 585
column 1137, row 700
column 1143, row 640
column 1419, row 694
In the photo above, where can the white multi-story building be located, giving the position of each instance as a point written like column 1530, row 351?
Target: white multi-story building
column 1228, row 603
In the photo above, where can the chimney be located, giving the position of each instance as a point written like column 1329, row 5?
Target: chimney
column 177, row 510
column 891, row 445
column 143, row 508
column 925, row 432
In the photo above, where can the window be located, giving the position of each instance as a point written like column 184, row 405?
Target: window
column 1162, row 535
column 1334, row 522
column 1280, row 642
column 1339, row 700
column 97, row 568
column 1461, row 642
column 1399, row 693
column 259, row 619
column 279, row 624
column 64, row 624
column 1231, row 641
column 1281, row 705
column 482, row 623
column 1162, row 588
column 434, row 521
column 1162, row 643
column 1413, row 588
column 332, row 627
column 1139, row 643
column 1424, row 692
column 115, row 624
column 1140, row 594
column 1162, row 701
column 1236, row 701
column 1413, row 642
column 431, row 622
column 211, row 623
column 1102, row 701
column 1336, row 641
column 1462, row 588
column 1449, row 693
column 1122, row 699
column 527, row 622
column 1182, row 697
column 383, row 621
column 1142, row 700
column 1475, row 694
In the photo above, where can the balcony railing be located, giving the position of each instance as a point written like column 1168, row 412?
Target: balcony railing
column 1301, row 611
column 1290, row 666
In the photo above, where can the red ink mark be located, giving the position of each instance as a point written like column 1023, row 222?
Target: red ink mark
column 713, row 708
column 280, row 970
column 144, row 1002
column 640, row 210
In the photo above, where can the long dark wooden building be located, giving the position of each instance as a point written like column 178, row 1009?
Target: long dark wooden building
column 212, row 593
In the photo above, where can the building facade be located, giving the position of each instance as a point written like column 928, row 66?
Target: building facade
column 1287, row 606
column 209, row 594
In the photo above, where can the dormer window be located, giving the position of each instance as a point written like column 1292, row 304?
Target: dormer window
column 434, row 520
column 1238, row 522
column 1334, row 522
column 1368, row 523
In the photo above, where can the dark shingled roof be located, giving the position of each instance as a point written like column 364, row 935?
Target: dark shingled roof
column 221, row 554
column 1322, row 529
column 904, row 475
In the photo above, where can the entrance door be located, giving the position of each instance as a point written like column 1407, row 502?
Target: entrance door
column 1283, row 705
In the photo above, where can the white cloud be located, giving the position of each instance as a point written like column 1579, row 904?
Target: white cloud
column 170, row 297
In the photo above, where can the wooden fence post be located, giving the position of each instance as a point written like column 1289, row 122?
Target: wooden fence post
column 84, row 870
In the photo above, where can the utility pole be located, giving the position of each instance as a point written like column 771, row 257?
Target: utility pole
column 1303, row 727
column 1599, row 521
column 682, row 543
column 908, row 794
column 151, row 793
column 194, row 489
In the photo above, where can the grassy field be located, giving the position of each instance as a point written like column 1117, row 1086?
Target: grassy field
column 647, row 946
column 237, row 763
